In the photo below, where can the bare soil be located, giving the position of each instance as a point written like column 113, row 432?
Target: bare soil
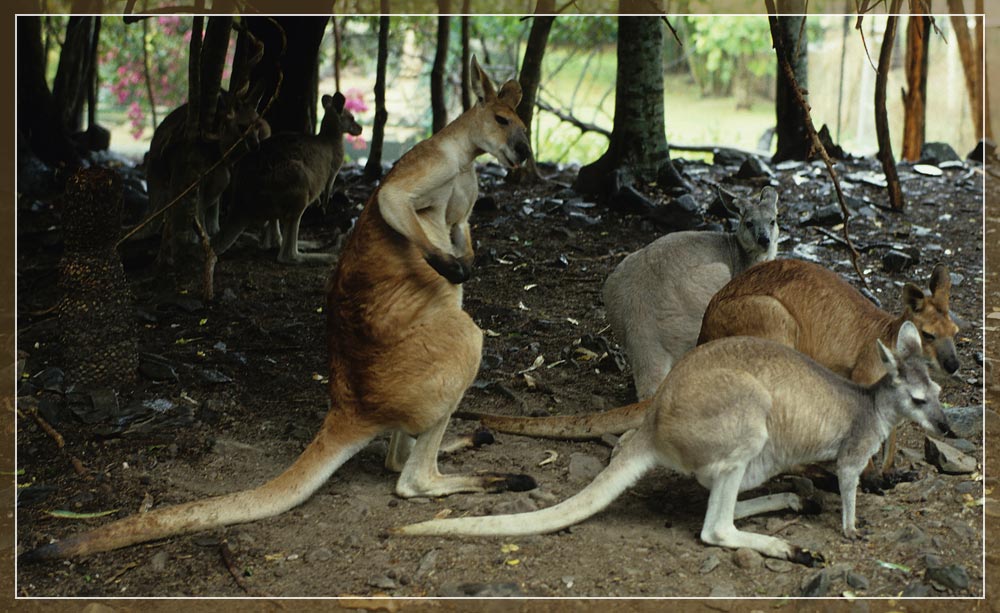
column 537, row 291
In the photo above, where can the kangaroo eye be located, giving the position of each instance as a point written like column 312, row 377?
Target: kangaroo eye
column 927, row 336
column 919, row 401
column 749, row 224
column 503, row 121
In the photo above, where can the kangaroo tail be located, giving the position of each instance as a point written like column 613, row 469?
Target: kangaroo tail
column 566, row 427
column 635, row 459
column 324, row 455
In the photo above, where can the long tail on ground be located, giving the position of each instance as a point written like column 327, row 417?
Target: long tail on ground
column 636, row 457
column 566, row 427
column 327, row 452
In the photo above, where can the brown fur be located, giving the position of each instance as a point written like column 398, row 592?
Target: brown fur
column 402, row 350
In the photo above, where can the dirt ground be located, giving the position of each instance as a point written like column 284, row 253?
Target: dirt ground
column 249, row 395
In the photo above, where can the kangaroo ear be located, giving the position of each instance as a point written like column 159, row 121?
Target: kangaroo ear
column 940, row 283
column 888, row 360
column 510, row 93
column 769, row 198
column 729, row 201
column 335, row 102
column 908, row 340
column 482, row 87
column 912, row 298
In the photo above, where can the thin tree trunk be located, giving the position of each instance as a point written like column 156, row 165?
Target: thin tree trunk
column 72, row 80
column 881, row 120
column 439, row 107
column 980, row 59
column 194, row 77
column 213, row 58
column 531, row 76
column 466, row 58
column 373, row 169
column 335, row 24
column 970, row 65
column 915, row 94
column 145, row 66
column 793, row 136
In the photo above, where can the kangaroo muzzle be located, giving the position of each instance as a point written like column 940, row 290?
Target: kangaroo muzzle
column 947, row 358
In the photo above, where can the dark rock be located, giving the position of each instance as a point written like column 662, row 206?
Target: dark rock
column 51, row 379
column 818, row 586
column 895, row 261
column 984, row 148
column 209, row 375
column 481, row 590
column 952, row 577
column 486, row 203
column 933, row 561
column 946, row 458
column 935, row 153
column 579, row 219
column 728, row 157
column 156, row 368
column 857, row 580
column 753, row 168
column 681, row 213
column 826, row 215
column 965, row 421
column 916, row 589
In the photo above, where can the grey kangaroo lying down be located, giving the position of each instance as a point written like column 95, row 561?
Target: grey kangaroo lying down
column 734, row 413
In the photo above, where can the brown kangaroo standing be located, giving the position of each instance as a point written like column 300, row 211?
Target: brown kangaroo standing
column 402, row 350
column 289, row 172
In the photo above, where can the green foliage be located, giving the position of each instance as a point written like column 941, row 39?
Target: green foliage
column 724, row 49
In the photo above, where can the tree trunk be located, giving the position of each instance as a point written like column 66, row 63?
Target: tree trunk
column 335, row 24
column 373, row 169
column 294, row 110
column 73, row 76
column 38, row 123
column 213, row 58
column 970, row 64
column 466, row 59
column 530, row 77
column 638, row 145
column 439, row 108
column 793, row 136
column 981, row 57
column 881, row 120
column 915, row 94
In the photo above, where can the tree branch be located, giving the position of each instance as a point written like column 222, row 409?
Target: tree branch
column 570, row 119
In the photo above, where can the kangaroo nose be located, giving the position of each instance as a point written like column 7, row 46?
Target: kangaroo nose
column 764, row 241
column 522, row 150
column 951, row 365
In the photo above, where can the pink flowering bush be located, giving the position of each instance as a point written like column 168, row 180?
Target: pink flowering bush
column 355, row 103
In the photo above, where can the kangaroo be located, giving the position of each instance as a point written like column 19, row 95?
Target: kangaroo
column 287, row 174
column 402, row 350
column 655, row 300
column 812, row 309
column 801, row 305
column 176, row 159
column 736, row 412
column 656, row 296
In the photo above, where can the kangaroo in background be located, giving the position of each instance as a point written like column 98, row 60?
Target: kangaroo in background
column 402, row 350
column 734, row 413
column 814, row 310
column 287, row 174
column 656, row 297
column 655, row 301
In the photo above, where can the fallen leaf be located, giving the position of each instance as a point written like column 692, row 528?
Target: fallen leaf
column 894, row 566
column 74, row 515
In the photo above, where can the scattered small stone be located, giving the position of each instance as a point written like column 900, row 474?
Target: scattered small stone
column 777, row 566
column 956, row 278
column 383, row 582
column 826, row 215
column 909, row 536
column 817, row 586
column 542, row 496
column 932, row 560
column 895, row 261
column 927, row 170
column 857, row 580
column 723, row 590
column 984, row 148
column 321, row 554
column 209, row 375
column 747, row 559
column 427, row 563
column 952, row 577
column 947, row 459
column 916, row 589
column 711, row 563
column 584, row 467
column 723, row 156
column 159, row 561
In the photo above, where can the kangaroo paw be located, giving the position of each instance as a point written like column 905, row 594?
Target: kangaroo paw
column 806, row 557
column 508, row 482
